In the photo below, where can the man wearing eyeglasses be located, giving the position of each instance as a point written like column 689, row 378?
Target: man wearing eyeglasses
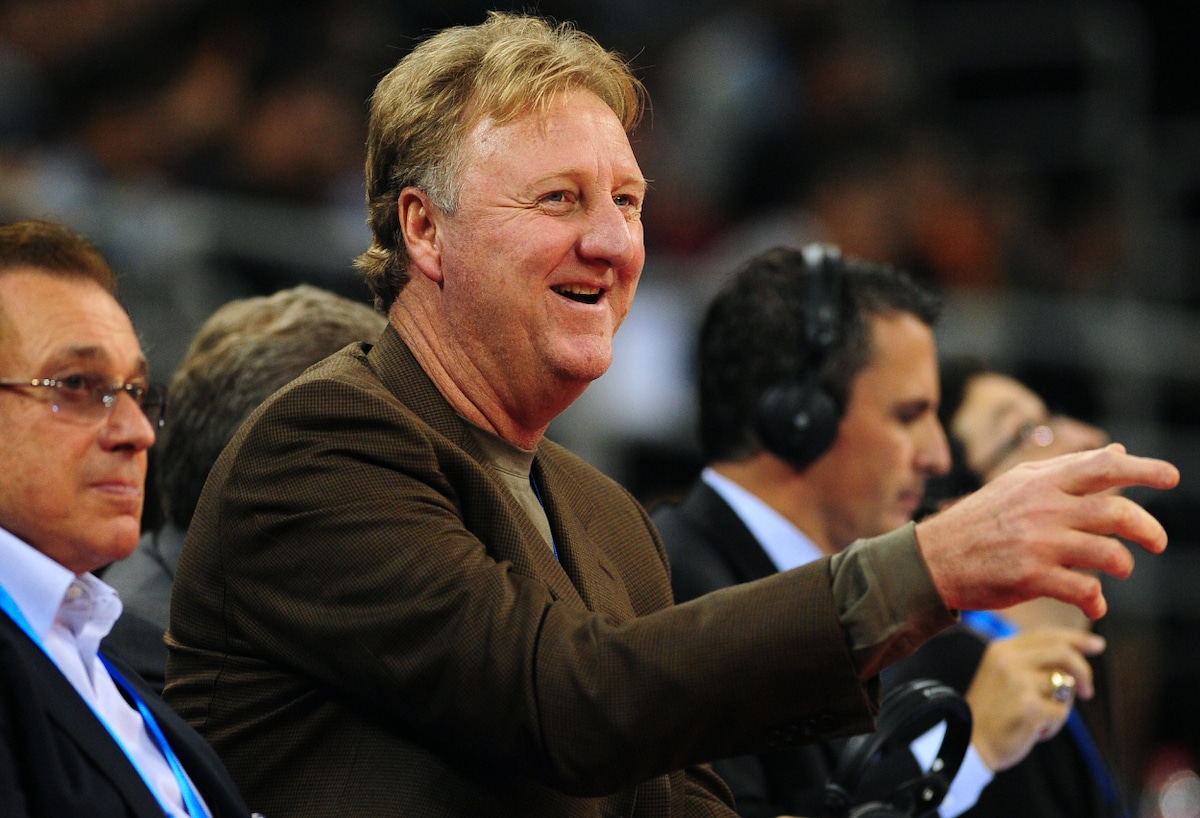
column 80, row 734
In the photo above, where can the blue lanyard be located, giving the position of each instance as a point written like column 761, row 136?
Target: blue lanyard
column 994, row 626
column 538, row 494
column 190, row 799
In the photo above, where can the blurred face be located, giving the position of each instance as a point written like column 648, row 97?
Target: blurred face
column 1002, row 423
column 72, row 489
column 889, row 441
column 541, row 258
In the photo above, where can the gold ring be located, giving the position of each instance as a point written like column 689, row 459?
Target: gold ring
column 1062, row 686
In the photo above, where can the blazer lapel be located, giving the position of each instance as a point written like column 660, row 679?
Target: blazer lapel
column 592, row 575
column 399, row 372
column 541, row 560
column 65, row 707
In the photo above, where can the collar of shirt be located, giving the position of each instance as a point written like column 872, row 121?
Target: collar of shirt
column 88, row 611
column 70, row 615
column 787, row 546
column 82, row 608
column 36, row 583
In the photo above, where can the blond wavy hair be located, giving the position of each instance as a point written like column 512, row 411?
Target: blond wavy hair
column 423, row 110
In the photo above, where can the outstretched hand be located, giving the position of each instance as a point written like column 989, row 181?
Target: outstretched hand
column 1039, row 528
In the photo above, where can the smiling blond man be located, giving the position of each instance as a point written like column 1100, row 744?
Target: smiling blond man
column 398, row 598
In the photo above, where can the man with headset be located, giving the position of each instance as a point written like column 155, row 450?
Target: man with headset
column 818, row 419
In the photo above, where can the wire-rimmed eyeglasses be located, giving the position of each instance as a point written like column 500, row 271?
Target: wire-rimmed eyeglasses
column 1034, row 432
column 89, row 398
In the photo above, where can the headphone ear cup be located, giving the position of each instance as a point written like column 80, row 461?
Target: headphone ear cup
column 872, row 773
column 797, row 421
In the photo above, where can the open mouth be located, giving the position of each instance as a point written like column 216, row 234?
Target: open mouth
column 576, row 292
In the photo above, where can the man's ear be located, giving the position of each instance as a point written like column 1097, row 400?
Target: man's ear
column 419, row 227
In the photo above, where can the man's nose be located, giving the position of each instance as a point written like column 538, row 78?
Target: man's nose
column 611, row 236
column 934, row 449
column 127, row 426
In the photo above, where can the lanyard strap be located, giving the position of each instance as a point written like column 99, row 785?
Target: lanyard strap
column 191, row 800
column 994, row 626
column 538, row 494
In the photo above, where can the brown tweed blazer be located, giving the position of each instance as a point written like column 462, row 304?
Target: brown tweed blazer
column 365, row 623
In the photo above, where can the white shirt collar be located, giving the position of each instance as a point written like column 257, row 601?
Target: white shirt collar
column 36, row 583
column 787, row 546
column 70, row 615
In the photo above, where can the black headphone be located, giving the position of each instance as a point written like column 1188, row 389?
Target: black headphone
column 877, row 776
column 797, row 419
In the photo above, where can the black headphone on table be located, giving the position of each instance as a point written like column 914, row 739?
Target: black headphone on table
column 877, row 776
column 797, row 419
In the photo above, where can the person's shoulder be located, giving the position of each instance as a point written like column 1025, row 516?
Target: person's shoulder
column 344, row 383
column 699, row 538
column 350, row 365
column 688, row 517
column 667, row 510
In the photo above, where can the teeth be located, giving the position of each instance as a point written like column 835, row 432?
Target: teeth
column 580, row 293
column 577, row 289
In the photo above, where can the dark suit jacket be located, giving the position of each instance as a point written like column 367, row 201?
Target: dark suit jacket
column 709, row 547
column 57, row 760
column 365, row 622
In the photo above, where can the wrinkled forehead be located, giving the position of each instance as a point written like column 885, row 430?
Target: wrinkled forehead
column 578, row 135
column 49, row 321
column 538, row 117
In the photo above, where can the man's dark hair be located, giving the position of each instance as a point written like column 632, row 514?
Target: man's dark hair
column 50, row 249
column 245, row 351
column 53, row 249
column 753, row 337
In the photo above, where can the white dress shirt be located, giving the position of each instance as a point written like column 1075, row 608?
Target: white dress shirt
column 789, row 547
column 71, row 614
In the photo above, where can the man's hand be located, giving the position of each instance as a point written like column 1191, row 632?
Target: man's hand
column 1038, row 528
column 1011, row 699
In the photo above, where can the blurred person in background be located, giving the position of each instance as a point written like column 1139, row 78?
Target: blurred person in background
column 994, row 423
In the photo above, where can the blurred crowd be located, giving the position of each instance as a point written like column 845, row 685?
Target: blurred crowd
column 771, row 118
